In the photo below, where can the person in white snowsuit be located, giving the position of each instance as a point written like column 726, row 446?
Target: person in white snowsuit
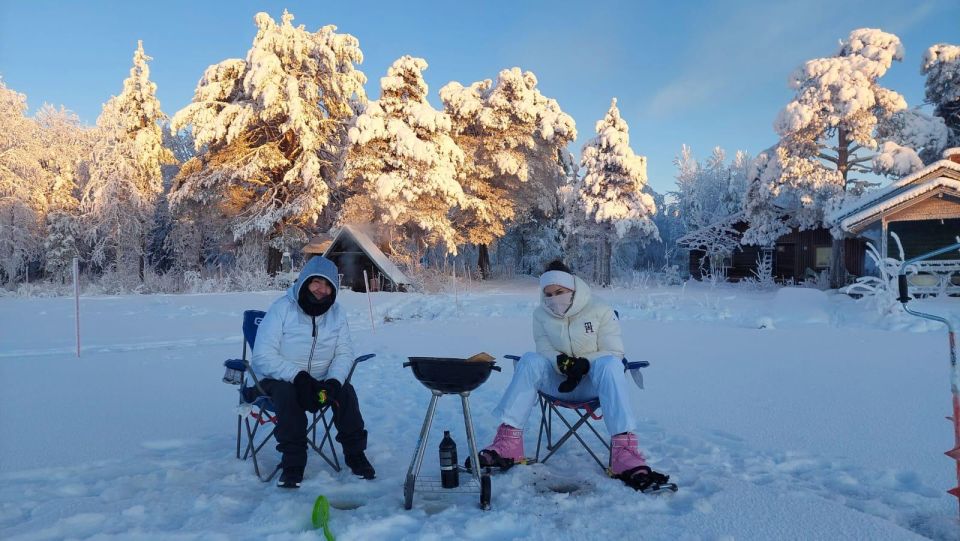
column 579, row 356
column 302, row 356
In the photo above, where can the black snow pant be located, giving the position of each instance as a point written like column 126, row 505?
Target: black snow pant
column 291, row 430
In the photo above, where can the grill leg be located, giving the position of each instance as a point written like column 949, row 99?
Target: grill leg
column 471, row 438
column 417, row 461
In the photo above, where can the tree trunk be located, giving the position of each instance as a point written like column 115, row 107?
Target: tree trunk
column 606, row 256
column 838, row 269
column 274, row 257
column 483, row 261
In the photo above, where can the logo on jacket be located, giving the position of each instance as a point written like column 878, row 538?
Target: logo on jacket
column 588, row 326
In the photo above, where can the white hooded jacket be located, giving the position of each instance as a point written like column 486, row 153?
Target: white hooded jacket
column 589, row 329
column 287, row 335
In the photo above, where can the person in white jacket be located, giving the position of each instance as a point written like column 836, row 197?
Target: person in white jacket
column 301, row 357
column 579, row 356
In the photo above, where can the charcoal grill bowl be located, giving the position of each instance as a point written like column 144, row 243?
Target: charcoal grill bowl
column 450, row 375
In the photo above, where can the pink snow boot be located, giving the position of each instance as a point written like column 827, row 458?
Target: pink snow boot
column 628, row 464
column 625, row 453
column 505, row 451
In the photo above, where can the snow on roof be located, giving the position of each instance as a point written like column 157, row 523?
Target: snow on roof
column 950, row 152
column 318, row 244
column 871, row 202
column 905, row 195
column 378, row 257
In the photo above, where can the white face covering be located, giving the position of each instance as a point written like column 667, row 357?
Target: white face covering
column 559, row 304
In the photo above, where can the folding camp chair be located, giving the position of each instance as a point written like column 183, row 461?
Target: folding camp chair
column 585, row 410
column 255, row 408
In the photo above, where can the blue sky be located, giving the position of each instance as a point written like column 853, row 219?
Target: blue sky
column 700, row 73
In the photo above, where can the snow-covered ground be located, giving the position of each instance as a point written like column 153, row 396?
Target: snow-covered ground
column 787, row 415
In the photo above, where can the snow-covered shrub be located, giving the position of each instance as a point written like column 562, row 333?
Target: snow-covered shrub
column 820, row 280
column 252, row 280
column 717, row 275
column 881, row 291
column 763, row 274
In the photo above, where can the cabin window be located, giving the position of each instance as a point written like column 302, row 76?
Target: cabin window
column 823, row 256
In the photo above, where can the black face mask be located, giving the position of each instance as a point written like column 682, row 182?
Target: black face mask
column 313, row 307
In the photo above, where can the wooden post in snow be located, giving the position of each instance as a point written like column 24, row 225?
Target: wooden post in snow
column 366, row 286
column 76, row 297
column 456, row 294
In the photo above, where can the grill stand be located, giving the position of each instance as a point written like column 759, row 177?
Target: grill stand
column 415, row 482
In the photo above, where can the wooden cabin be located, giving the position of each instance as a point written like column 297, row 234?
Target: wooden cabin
column 923, row 210
column 354, row 252
column 796, row 256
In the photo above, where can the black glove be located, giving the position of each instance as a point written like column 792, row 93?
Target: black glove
column 574, row 368
column 326, row 391
column 306, row 396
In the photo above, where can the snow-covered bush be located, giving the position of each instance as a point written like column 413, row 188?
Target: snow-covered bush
column 819, row 280
column 881, row 291
column 762, row 275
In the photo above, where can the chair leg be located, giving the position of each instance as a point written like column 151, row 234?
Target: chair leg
column 239, row 426
column 253, row 449
column 544, row 428
column 326, row 449
column 572, row 431
column 325, row 441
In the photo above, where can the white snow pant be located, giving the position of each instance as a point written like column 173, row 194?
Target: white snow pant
column 605, row 380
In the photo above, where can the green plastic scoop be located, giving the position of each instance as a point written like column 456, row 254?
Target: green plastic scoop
column 321, row 517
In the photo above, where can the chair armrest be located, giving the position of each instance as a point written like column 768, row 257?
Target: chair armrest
column 235, row 364
column 357, row 361
column 634, row 365
column 633, row 368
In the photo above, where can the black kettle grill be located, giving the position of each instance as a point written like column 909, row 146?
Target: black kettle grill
column 447, row 375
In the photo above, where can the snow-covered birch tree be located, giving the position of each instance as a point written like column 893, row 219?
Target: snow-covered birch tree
column 403, row 158
column 275, row 126
column 709, row 197
column 612, row 193
column 120, row 197
column 511, row 136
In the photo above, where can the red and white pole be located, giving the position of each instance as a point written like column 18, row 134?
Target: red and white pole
column 955, row 390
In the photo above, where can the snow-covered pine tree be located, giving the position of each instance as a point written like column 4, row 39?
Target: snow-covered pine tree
column 910, row 138
column 120, row 198
column 613, row 182
column 830, row 126
column 539, row 233
column 65, row 145
column 511, row 136
column 941, row 65
column 275, row 126
column 22, row 202
column 160, row 254
column 403, row 159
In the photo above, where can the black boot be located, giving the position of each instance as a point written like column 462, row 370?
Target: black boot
column 359, row 465
column 290, row 478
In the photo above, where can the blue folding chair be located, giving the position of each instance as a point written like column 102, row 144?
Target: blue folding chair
column 585, row 410
column 254, row 404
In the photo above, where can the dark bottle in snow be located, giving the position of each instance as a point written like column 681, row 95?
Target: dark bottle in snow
column 449, row 477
